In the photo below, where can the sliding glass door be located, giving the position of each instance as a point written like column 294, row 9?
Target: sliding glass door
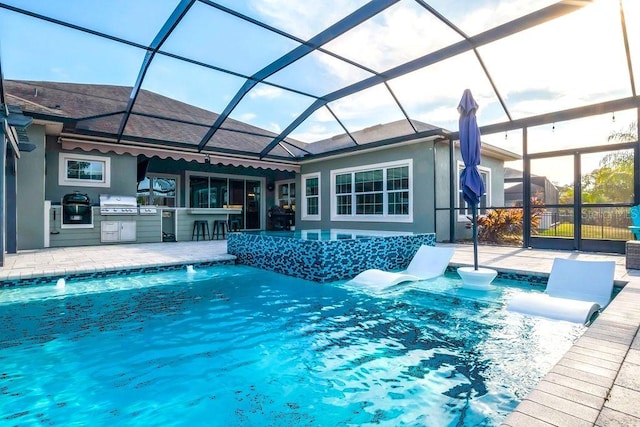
column 215, row 191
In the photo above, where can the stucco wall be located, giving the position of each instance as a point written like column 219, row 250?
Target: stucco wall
column 423, row 188
column 443, row 185
column 431, row 188
column 123, row 175
column 31, row 189
column 180, row 167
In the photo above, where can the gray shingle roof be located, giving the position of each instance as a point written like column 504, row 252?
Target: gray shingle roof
column 98, row 110
column 368, row 135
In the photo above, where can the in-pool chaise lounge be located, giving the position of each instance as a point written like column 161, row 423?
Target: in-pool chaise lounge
column 427, row 263
column 576, row 290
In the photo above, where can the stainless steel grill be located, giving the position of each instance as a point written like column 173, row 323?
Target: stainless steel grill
column 118, row 205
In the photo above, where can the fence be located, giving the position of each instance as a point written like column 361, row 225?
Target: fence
column 607, row 223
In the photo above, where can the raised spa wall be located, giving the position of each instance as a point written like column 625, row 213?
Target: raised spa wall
column 326, row 260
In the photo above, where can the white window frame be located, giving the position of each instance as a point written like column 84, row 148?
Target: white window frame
column 463, row 214
column 62, row 170
column 303, row 202
column 385, row 217
column 167, row 176
column 287, row 182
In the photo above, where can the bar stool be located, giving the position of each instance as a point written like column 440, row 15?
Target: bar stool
column 219, row 226
column 200, row 228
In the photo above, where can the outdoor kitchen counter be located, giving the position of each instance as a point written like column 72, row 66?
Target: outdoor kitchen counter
column 147, row 225
column 134, row 227
column 214, row 211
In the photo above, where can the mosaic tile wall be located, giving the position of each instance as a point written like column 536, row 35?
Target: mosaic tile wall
column 325, row 261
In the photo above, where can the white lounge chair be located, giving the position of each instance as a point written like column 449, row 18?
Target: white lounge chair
column 427, row 263
column 575, row 291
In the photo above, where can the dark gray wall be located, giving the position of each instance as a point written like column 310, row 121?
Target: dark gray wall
column 31, row 190
column 423, row 188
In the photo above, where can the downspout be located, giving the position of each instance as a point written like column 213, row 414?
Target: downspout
column 11, row 200
column 452, row 199
column 435, row 189
column 3, row 157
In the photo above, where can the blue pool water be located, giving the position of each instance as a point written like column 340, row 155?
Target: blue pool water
column 238, row 346
column 330, row 235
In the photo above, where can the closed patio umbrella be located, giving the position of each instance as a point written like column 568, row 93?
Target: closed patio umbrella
column 470, row 180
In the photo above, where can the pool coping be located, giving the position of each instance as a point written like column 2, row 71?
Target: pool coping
column 597, row 382
column 90, row 273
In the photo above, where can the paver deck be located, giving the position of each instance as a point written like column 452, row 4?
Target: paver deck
column 597, row 383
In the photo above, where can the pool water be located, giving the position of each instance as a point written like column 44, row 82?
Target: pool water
column 238, row 346
column 330, row 234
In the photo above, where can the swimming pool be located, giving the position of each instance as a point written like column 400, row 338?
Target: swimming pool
column 329, row 234
column 239, row 346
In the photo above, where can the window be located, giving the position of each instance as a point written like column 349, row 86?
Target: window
column 311, row 197
column 286, row 194
column 373, row 193
column 485, row 201
column 159, row 190
column 80, row 170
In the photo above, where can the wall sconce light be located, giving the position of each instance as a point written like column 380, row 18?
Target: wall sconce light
column 207, row 160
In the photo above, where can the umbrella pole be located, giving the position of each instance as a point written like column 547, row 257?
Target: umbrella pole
column 475, row 236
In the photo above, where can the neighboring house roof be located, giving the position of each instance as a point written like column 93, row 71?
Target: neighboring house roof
column 511, row 174
column 515, row 175
column 90, row 110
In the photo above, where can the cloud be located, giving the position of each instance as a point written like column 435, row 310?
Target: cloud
column 561, row 64
column 265, row 91
column 247, row 117
column 274, row 127
column 305, row 18
column 402, row 32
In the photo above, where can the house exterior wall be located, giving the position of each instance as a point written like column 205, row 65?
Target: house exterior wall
column 31, row 190
column 181, row 167
column 422, row 181
column 496, row 166
column 123, row 175
column 149, row 228
column 429, row 189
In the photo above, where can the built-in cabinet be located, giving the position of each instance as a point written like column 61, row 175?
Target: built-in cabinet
column 118, row 231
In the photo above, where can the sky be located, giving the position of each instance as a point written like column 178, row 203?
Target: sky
column 572, row 61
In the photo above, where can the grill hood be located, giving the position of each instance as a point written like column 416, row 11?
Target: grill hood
column 115, row 201
column 118, row 205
